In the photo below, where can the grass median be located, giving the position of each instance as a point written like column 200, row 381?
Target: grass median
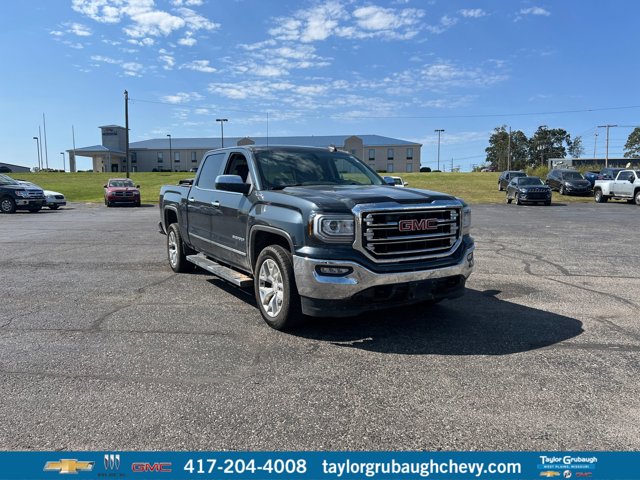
column 474, row 188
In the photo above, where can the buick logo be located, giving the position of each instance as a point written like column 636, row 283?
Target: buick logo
column 418, row 225
column 112, row 461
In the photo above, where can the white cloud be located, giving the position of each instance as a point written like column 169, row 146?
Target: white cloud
column 199, row 66
column 169, row 61
column 267, row 90
column 145, row 42
column 145, row 19
column 535, row 11
column 187, row 41
column 103, row 59
column 80, row 30
column 132, row 69
column 472, row 12
column 279, row 61
column 182, row 97
column 445, row 24
column 333, row 19
column 56, row 33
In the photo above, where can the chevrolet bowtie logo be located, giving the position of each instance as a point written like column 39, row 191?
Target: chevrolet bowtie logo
column 68, row 466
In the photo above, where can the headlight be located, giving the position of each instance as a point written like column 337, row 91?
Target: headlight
column 22, row 193
column 334, row 228
column 567, row 184
column 466, row 220
column 522, row 190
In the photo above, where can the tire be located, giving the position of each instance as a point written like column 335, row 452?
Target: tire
column 637, row 197
column 54, row 207
column 275, row 288
column 509, row 200
column 7, row 205
column 35, row 209
column 547, row 203
column 138, row 203
column 177, row 251
column 599, row 197
column 500, row 187
column 561, row 190
column 518, row 201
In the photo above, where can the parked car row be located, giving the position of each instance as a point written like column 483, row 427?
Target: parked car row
column 609, row 183
column 22, row 195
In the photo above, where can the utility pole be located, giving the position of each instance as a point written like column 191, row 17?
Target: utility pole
column 222, row 120
column 126, row 128
column 606, row 159
column 509, row 151
column 439, row 131
column 73, row 168
column 595, row 143
column 452, row 165
column 40, row 148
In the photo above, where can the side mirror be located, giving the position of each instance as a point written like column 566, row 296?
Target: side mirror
column 232, row 183
column 137, row 186
column 406, row 184
column 389, row 181
column 105, row 186
column 632, row 179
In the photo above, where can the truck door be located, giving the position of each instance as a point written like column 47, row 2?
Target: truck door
column 622, row 186
column 233, row 210
column 200, row 203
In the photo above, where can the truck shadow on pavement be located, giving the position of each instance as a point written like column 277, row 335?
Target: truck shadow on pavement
column 476, row 324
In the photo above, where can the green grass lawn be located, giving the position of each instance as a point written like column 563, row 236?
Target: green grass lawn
column 88, row 187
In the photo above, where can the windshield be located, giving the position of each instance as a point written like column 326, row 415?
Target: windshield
column 397, row 180
column 4, row 180
column 529, row 181
column 572, row 176
column 286, row 168
column 121, row 183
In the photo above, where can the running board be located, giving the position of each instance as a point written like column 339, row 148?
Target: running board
column 225, row 273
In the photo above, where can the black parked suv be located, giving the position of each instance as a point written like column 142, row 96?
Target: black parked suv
column 528, row 190
column 568, row 182
column 507, row 176
column 14, row 196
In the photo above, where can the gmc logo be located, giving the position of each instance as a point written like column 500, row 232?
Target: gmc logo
column 151, row 467
column 418, row 225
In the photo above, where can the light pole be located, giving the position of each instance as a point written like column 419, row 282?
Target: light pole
column 64, row 165
column 606, row 158
column 222, row 120
column 439, row 131
column 38, row 150
column 170, row 156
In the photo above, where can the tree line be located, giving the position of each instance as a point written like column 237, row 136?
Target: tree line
column 544, row 144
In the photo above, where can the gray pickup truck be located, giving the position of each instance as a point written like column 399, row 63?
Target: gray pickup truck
column 316, row 232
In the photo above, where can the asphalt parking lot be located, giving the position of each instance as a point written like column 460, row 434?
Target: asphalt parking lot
column 103, row 347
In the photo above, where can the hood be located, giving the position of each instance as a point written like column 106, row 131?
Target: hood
column 579, row 183
column 122, row 189
column 345, row 197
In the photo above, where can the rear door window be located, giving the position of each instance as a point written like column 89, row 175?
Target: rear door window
column 209, row 170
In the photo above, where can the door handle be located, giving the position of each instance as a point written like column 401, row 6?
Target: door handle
column 216, row 204
column 191, row 199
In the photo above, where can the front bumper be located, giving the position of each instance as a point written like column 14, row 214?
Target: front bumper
column 362, row 289
column 29, row 202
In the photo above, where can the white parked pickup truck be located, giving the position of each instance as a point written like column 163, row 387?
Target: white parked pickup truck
column 626, row 186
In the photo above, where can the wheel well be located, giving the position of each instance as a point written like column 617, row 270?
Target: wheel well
column 635, row 192
column 170, row 216
column 264, row 239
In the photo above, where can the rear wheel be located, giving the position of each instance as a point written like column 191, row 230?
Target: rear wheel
column 177, row 251
column 7, row 205
column 275, row 288
column 637, row 197
column 599, row 197
column 499, row 187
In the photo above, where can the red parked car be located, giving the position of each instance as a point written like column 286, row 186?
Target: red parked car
column 121, row 190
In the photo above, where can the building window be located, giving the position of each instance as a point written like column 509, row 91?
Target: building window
column 390, row 167
column 372, row 154
column 409, row 167
column 160, row 157
column 410, row 153
column 134, row 157
column 389, row 153
column 176, row 156
column 193, row 157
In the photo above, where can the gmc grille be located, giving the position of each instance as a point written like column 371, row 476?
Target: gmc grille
column 416, row 233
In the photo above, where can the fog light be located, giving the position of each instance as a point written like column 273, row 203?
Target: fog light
column 470, row 259
column 335, row 271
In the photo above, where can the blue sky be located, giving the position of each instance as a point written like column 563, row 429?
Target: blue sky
column 398, row 68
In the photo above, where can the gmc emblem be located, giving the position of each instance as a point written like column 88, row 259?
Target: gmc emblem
column 418, row 225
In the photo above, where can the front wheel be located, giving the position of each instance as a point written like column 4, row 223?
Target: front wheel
column 177, row 251
column 518, row 201
column 7, row 205
column 275, row 288
column 562, row 190
column 53, row 207
column 509, row 200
